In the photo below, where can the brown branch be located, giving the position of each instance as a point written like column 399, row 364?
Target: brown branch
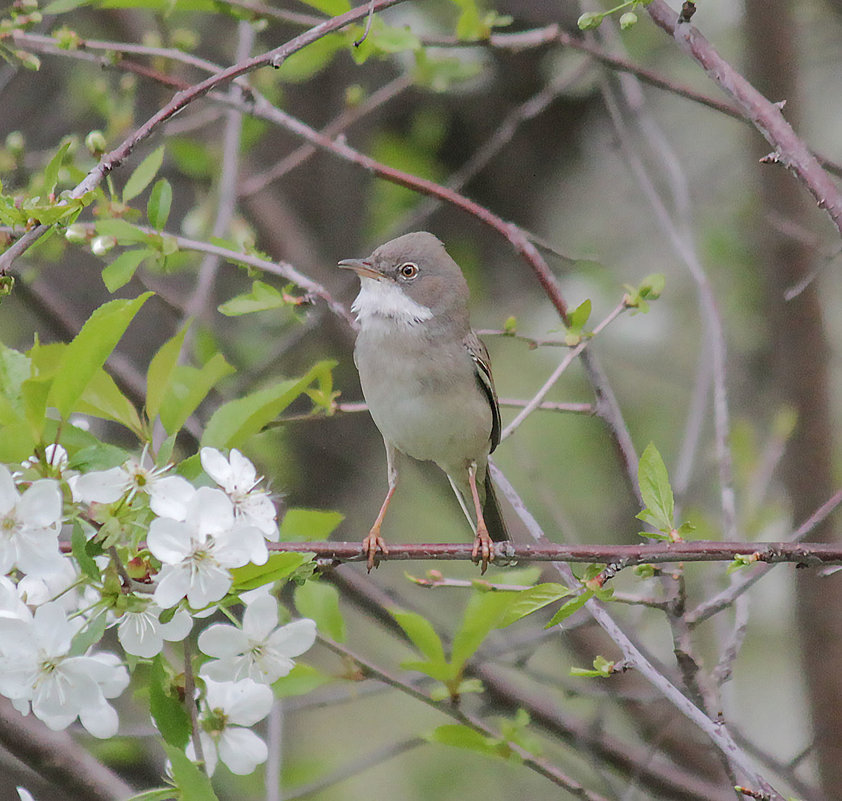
column 765, row 115
column 619, row 556
column 58, row 758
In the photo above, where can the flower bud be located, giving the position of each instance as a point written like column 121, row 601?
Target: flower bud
column 76, row 234
column 627, row 20
column 95, row 142
column 102, row 244
column 589, row 20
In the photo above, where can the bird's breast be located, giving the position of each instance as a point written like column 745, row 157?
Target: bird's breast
column 423, row 394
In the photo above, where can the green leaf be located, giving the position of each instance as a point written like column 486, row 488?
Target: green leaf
column 123, row 231
column 235, row 421
column 301, row 680
column 15, row 368
column 52, row 169
column 158, row 206
column 90, row 635
column 120, row 271
column 277, row 567
column 444, row 672
column 308, row 61
column 87, row 353
column 79, row 549
column 422, row 634
column 100, row 456
column 655, row 489
column 459, row 736
column 261, row 298
column 579, row 316
column 332, row 7
column 528, row 601
column 602, row 668
column 62, row 6
column 484, row 612
column 102, row 398
column 320, row 601
column 572, row 606
column 188, row 387
column 309, row 524
column 169, row 714
column 160, row 370
column 143, row 174
column 194, row 785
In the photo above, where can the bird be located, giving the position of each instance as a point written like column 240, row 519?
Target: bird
column 426, row 378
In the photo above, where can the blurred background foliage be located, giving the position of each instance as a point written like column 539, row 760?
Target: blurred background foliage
column 562, row 170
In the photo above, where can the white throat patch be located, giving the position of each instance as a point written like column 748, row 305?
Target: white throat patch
column 382, row 301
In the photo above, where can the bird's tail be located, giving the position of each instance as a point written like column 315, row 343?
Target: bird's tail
column 492, row 514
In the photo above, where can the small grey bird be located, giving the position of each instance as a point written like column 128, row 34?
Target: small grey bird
column 426, row 376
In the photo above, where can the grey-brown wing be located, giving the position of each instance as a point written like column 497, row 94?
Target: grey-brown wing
column 479, row 354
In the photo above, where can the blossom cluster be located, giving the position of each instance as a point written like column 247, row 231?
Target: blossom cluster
column 148, row 553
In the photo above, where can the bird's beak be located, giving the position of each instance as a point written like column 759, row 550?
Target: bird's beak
column 361, row 267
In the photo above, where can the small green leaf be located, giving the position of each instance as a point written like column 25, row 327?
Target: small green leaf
column 655, row 489
column 444, row 672
column 483, row 614
column 14, row 370
column 188, row 387
column 261, row 298
column 120, row 271
column 90, row 635
column 572, row 606
column 102, row 398
column 531, row 600
column 189, row 779
column 78, row 546
column 602, row 669
column 331, row 7
column 87, row 353
column 124, row 232
column 158, row 206
column 308, row 524
column 143, row 174
column 235, row 421
column 52, row 169
column 422, row 634
column 279, row 566
column 169, row 714
column 459, row 736
column 579, row 316
column 160, row 371
column 319, row 601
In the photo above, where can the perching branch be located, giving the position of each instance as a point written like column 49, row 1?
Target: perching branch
column 618, row 556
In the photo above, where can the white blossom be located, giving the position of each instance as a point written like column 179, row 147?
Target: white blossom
column 259, row 651
column 29, row 525
column 168, row 495
column 142, row 633
column 238, row 478
column 36, row 669
column 197, row 553
column 229, row 709
column 24, row 794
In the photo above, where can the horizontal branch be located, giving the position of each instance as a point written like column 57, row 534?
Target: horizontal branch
column 619, row 556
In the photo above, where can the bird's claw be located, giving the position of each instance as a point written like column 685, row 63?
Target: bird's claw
column 373, row 543
column 483, row 550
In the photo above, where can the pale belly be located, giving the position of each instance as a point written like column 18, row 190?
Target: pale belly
column 427, row 404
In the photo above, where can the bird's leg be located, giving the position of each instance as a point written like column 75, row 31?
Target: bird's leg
column 482, row 551
column 373, row 542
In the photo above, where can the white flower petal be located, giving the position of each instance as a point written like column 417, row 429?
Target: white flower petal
column 208, row 752
column 169, row 540
column 101, row 486
column 295, row 638
column 241, row 750
column 217, row 467
column 241, row 545
column 210, row 583
column 139, row 634
column 9, row 495
column 178, row 628
column 170, row 496
column 260, row 617
column 173, row 584
column 222, row 639
column 212, row 511
column 40, row 505
column 100, row 719
column 245, row 476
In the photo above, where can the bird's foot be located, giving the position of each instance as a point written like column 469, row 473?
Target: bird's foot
column 371, row 544
column 483, row 550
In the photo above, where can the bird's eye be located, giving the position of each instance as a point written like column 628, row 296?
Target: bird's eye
column 408, row 270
